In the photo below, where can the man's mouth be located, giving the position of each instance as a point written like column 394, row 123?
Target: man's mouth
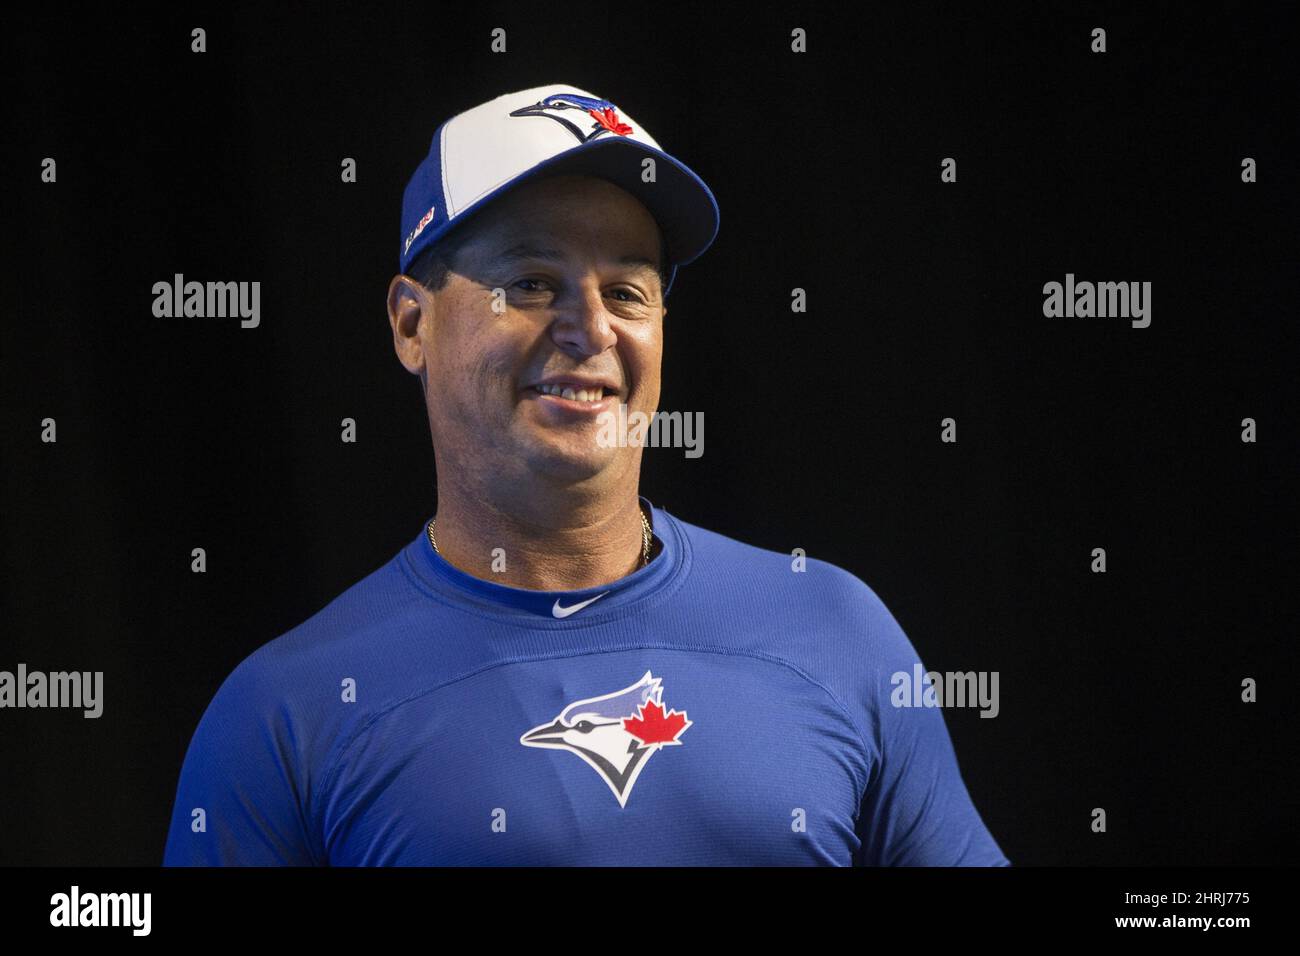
column 592, row 393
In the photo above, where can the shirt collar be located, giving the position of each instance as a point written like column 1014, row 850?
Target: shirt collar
column 554, row 608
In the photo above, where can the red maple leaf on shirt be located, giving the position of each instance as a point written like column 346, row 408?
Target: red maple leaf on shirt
column 652, row 726
column 609, row 119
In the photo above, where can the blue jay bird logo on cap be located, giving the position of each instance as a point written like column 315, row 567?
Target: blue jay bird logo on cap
column 602, row 111
column 615, row 734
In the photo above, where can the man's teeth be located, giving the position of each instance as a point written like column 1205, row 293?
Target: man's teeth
column 580, row 394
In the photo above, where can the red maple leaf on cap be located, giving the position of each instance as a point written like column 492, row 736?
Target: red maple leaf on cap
column 653, row 727
column 609, row 119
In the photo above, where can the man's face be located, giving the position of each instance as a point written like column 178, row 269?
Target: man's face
column 576, row 259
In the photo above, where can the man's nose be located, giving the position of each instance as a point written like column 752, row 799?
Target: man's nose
column 582, row 325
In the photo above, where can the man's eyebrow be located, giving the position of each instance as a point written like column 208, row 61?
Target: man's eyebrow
column 638, row 261
column 523, row 251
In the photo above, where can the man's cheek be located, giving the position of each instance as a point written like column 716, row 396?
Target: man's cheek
column 649, row 398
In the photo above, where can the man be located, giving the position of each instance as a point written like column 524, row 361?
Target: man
column 553, row 671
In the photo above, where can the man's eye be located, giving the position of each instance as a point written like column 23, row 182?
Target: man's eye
column 632, row 296
column 536, row 281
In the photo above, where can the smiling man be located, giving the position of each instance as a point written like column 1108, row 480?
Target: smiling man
column 554, row 671
column 550, row 315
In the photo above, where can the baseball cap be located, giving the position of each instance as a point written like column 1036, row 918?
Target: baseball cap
column 477, row 155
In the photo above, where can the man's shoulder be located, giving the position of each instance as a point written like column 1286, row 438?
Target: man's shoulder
column 811, row 613
column 362, row 615
column 313, row 685
column 795, row 577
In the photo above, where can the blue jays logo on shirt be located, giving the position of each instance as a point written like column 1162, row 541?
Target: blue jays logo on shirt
column 602, row 111
column 615, row 734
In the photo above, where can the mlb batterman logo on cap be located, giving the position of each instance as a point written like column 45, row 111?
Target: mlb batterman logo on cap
column 478, row 154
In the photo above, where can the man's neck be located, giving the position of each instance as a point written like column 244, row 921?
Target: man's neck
column 545, row 544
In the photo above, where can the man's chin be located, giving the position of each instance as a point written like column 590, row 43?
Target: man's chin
column 566, row 463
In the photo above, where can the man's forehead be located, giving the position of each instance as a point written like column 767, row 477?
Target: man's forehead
column 575, row 206
column 508, row 249
column 501, row 244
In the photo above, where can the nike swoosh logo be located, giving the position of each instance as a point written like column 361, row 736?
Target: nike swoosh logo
column 566, row 611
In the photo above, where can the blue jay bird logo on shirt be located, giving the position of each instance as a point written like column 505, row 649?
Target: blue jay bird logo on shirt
column 615, row 734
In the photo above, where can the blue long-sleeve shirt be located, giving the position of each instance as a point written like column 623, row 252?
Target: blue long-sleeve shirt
column 716, row 707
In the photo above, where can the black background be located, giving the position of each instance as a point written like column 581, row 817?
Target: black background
column 1119, row 691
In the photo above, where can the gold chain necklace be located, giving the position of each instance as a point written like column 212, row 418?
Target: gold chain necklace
column 645, row 537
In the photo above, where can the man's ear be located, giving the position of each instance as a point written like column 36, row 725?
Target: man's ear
column 407, row 302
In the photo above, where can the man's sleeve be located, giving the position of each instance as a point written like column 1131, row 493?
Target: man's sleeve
column 239, row 801
column 915, row 810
